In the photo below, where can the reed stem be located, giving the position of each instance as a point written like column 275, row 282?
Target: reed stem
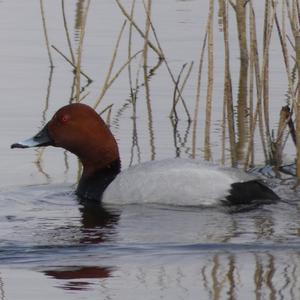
column 146, row 81
column 297, row 46
column 46, row 34
column 72, row 64
column 210, row 81
column 197, row 102
column 80, row 50
column 123, row 10
column 240, row 12
column 228, row 98
column 67, row 31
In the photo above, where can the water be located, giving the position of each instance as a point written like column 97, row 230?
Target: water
column 53, row 246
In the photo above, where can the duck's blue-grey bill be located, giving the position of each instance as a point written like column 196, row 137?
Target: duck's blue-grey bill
column 40, row 139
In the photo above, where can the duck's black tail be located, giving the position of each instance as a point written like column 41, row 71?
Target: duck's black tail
column 250, row 192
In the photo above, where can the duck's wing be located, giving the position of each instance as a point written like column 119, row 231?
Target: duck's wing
column 248, row 192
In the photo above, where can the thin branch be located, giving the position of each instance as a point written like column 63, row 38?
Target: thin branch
column 185, row 80
column 174, row 112
column 170, row 73
column 110, row 82
column 105, row 109
column 67, row 31
column 138, row 29
column 232, row 4
column 45, row 33
column 73, row 65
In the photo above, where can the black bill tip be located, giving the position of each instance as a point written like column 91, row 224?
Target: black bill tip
column 39, row 140
column 18, row 145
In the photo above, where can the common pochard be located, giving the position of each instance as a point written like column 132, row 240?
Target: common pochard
column 80, row 130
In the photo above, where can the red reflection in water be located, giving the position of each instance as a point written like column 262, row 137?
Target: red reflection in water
column 70, row 274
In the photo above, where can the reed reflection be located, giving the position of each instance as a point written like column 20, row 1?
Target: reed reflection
column 2, row 290
column 181, row 137
column 39, row 157
column 261, row 275
column 78, row 17
column 135, row 147
column 234, row 275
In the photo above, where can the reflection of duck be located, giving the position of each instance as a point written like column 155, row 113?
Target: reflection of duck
column 79, row 129
column 94, row 215
column 94, row 218
column 71, row 275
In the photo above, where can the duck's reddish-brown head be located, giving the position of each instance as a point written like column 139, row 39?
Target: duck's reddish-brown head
column 80, row 130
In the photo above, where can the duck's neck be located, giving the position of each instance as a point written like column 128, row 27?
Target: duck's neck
column 92, row 186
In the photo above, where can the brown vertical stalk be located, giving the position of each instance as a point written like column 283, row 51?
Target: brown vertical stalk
column 223, row 135
column 251, row 96
column 196, row 109
column 67, row 31
column 208, row 111
column 297, row 46
column 264, row 122
column 147, row 30
column 133, row 95
column 80, row 49
column 284, row 120
column 285, row 115
column 147, row 89
column 282, row 37
column 222, row 17
column 228, row 101
column 293, row 23
column 258, row 111
column 242, row 122
column 130, row 50
column 265, row 78
column 295, row 13
column 262, row 84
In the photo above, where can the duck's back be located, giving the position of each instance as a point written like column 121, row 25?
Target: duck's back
column 176, row 182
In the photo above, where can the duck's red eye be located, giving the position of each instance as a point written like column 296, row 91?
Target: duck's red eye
column 64, row 119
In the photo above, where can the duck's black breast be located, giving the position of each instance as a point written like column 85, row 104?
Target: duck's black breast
column 249, row 192
column 92, row 188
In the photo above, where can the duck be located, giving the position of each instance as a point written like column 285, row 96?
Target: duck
column 79, row 129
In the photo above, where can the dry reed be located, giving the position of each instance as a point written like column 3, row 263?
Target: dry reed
column 148, row 8
column 243, row 114
column 210, row 80
column 197, row 102
column 72, row 64
column 130, row 49
column 67, row 31
column 228, row 98
column 80, row 50
column 130, row 19
column 297, row 108
column 242, row 122
column 46, row 33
